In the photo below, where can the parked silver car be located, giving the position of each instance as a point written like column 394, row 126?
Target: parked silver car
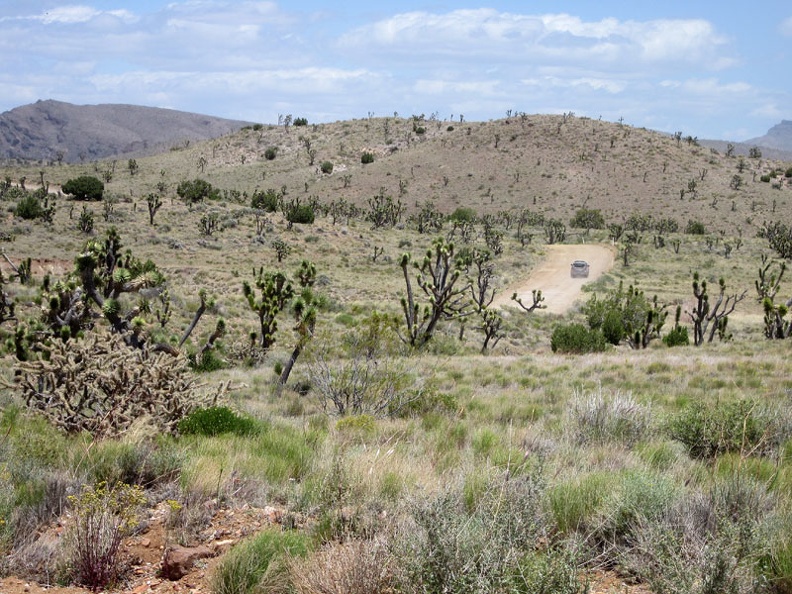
column 580, row 269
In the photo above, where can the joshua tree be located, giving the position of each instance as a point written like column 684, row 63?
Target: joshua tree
column 384, row 211
column 555, row 231
column 437, row 276
column 304, row 309
column 154, row 203
column 709, row 319
column 275, row 292
column 537, row 299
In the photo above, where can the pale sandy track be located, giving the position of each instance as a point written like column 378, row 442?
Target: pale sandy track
column 551, row 276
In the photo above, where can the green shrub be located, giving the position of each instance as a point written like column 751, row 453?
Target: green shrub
column 259, row 562
column 367, row 158
column 29, row 208
column 327, row 167
column 270, row 153
column 269, row 200
column 613, row 326
column 196, row 191
column 85, row 187
column 217, row 420
column 678, row 336
column 788, row 172
column 302, row 214
column 463, row 215
column 695, row 228
column 775, row 566
column 708, row 431
column 765, row 179
column 300, row 121
column 576, row 338
column 588, row 218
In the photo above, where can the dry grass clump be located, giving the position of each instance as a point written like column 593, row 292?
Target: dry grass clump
column 352, row 567
column 597, row 418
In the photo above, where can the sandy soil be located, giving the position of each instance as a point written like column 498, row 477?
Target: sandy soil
column 552, row 276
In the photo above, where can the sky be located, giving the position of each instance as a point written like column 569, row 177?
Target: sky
column 714, row 70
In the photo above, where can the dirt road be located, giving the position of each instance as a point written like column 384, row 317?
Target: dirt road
column 552, row 276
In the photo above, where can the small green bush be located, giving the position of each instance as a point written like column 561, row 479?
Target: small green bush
column 576, row 338
column 216, row 420
column 677, row 337
column 612, row 326
column 695, row 228
column 300, row 121
column 708, row 431
column 367, row 158
column 765, row 179
column 269, row 200
column 29, row 208
column 327, row 167
column 463, row 214
column 270, row 153
column 357, row 425
column 302, row 214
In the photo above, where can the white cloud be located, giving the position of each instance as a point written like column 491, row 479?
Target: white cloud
column 487, row 88
column 786, row 27
column 553, row 38
column 78, row 14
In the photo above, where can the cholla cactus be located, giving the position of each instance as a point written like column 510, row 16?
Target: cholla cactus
column 100, row 385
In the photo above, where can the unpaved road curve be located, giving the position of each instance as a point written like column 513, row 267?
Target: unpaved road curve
column 552, row 276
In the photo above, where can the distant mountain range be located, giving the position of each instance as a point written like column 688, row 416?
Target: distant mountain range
column 54, row 130
column 778, row 137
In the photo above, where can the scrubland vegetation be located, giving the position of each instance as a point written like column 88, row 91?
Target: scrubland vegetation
column 300, row 317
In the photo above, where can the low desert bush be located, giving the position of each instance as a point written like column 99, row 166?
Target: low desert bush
column 678, row 336
column 448, row 546
column 216, row 420
column 367, row 158
column 29, row 208
column 259, row 564
column 576, row 338
column 102, row 517
column 709, row 540
column 708, row 431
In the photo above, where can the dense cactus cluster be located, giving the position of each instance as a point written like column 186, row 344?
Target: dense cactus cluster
column 100, row 385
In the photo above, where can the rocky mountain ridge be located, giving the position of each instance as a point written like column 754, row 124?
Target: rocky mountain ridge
column 56, row 131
